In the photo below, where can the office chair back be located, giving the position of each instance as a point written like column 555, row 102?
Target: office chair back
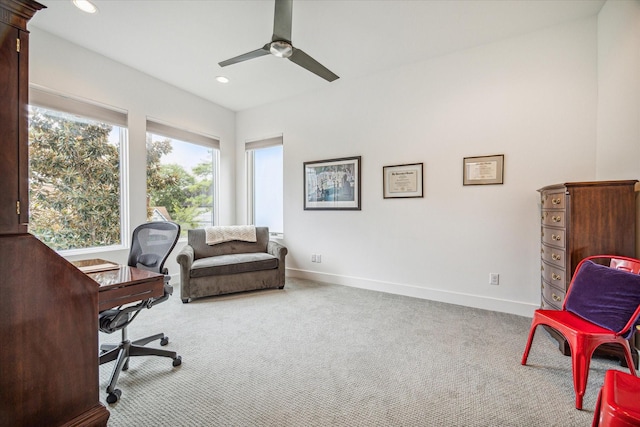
column 151, row 245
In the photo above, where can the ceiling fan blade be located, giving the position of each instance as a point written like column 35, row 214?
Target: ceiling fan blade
column 264, row 50
column 282, row 20
column 307, row 62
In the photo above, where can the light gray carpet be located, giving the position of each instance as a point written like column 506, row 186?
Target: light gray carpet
column 316, row 354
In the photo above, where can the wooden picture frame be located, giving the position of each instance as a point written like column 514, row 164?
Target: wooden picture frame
column 403, row 181
column 483, row 170
column 332, row 184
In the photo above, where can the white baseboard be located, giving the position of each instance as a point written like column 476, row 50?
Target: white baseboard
column 476, row 301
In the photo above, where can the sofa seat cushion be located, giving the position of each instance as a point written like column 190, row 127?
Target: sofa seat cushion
column 233, row 264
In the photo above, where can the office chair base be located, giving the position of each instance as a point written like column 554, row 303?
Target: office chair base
column 126, row 349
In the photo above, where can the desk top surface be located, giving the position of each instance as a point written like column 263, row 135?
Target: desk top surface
column 110, row 275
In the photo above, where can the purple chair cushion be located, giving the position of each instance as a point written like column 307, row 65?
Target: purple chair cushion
column 604, row 296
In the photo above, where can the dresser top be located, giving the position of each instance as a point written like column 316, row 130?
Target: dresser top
column 630, row 182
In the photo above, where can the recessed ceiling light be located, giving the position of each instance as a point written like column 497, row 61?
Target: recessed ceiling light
column 85, row 6
column 222, row 79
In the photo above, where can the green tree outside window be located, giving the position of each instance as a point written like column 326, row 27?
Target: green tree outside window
column 74, row 185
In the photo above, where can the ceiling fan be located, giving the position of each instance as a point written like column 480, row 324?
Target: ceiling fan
column 282, row 47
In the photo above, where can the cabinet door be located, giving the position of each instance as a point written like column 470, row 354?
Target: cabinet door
column 13, row 157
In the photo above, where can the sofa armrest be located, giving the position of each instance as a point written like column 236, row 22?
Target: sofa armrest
column 277, row 250
column 185, row 259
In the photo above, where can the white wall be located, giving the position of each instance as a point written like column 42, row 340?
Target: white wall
column 531, row 98
column 618, row 150
column 619, row 90
column 69, row 69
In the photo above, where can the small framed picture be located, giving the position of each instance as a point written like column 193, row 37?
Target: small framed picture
column 483, row 170
column 400, row 181
column 332, row 184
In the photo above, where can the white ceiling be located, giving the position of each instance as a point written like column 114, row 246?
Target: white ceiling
column 181, row 42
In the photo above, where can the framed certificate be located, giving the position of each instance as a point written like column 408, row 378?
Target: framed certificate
column 401, row 181
column 483, row 170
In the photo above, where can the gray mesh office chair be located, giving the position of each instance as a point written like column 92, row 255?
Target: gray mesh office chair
column 151, row 244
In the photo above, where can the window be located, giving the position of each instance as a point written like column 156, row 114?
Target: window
column 76, row 156
column 265, row 184
column 181, row 171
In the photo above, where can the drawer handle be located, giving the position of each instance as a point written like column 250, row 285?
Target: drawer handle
column 556, row 297
column 556, row 218
column 555, row 276
column 556, row 237
column 555, row 257
column 556, row 201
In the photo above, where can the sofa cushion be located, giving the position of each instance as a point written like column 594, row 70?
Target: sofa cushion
column 196, row 238
column 233, row 264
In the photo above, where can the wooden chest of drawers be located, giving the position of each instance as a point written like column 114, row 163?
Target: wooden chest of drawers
column 579, row 219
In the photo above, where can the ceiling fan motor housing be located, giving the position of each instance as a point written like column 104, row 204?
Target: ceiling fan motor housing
column 281, row 48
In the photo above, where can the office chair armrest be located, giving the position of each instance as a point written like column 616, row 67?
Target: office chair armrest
column 115, row 319
column 168, row 291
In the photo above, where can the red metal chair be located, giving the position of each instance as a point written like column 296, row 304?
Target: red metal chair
column 602, row 306
column 618, row 403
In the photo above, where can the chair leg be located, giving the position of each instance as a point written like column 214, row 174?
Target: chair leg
column 581, row 354
column 627, row 355
column 107, row 347
column 147, row 340
column 596, row 411
column 532, row 332
column 109, row 355
column 123, row 357
column 580, row 365
column 136, row 350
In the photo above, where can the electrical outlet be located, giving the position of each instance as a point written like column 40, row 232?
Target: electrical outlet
column 318, row 258
column 313, row 258
column 494, row 278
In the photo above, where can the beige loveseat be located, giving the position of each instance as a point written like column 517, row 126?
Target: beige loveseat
column 230, row 266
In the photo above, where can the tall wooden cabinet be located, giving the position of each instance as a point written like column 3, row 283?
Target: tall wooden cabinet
column 14, row 67
column 579, row 219
column 48, row 308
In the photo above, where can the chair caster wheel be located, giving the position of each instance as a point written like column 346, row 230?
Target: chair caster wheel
column 114, row 396
column 164, row 341
column 177, row 361
column 185, row 300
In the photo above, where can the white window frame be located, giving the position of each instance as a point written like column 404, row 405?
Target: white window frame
column 46, row 98
column 250, row 147
column 160, row 128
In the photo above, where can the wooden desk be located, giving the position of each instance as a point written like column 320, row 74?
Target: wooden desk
column 121, row 284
